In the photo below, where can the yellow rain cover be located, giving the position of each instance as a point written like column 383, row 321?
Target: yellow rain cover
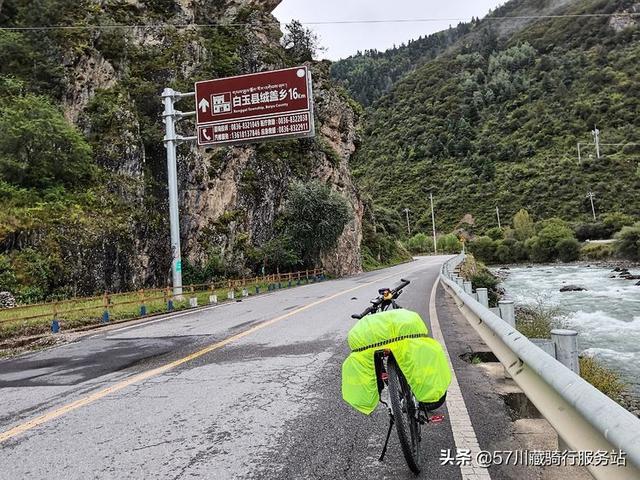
column 421, row 359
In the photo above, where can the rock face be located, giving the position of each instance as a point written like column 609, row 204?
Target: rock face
column 228, row 196
column 249, row 187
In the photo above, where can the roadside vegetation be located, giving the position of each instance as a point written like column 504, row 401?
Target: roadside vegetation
column 604, row 379
column 538, row 319
column 544, row 241
column 481, row 277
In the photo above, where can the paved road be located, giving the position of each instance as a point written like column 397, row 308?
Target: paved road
column 259, row 399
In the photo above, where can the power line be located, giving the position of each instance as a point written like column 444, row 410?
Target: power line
column 317, row 23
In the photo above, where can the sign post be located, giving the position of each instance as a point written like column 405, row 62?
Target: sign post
column 232, row 111
column 255, row 107
column 171, row 141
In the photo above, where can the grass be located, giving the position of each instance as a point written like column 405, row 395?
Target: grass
column 603, row 378
column 36, row 319
column 537, row 320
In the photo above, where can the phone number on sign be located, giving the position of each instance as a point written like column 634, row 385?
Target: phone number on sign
column 534, row 458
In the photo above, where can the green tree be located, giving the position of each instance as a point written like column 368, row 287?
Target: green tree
column 544, row 246
column 484, row 249
column 568, row 250
column 314, row 218
column 628, row 242
column 614, row 221
column 301, row 43
column 420, row 243
column 523, row 225
column 39, row 148
column 449, row 244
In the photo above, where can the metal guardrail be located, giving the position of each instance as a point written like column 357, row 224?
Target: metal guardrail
column 584, row 418
column 103, row 306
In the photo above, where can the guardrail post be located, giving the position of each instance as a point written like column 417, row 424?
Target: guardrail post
column 193, row 300
column 143, row 307
column 168, row 299
column 231, row 295
column 483, row 296
column 245, row 292
column 460, row 282
column 468, row 287
column 566, row 342
column 105, row 303
column 55, row 323
column 495, row 311
column 213, row 299
column 545, row 345
column 508, row 314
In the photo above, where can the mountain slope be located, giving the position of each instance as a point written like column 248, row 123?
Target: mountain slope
column 499, row 127
column 94, row 217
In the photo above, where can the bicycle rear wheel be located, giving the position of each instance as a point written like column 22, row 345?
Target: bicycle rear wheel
column 405, row 415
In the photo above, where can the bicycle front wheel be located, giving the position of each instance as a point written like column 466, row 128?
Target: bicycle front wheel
column 405, row 415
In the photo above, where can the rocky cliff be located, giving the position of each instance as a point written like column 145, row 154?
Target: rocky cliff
column 108, row 83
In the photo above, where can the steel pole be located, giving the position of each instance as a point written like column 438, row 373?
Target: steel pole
column 593, row 207
column 433, row 224
column 170, row 143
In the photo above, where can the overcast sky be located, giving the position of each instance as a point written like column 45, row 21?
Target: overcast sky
column 344, row 40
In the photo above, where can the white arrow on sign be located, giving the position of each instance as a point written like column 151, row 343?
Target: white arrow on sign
column 203, row 105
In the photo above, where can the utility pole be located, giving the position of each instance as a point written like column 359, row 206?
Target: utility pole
column 591, row 195
column 596, row 139
column 433, row 224
column 406, row 211
column 498, row 215
column 579, row 155
column 170, row 117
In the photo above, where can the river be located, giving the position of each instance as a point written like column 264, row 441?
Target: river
column 606, row 315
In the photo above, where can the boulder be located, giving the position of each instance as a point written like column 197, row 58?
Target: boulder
column 572, row 288
column 7, row 300
column 638, row 284
column 630, row 277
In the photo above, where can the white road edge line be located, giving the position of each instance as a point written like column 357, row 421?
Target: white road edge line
column 463, row 433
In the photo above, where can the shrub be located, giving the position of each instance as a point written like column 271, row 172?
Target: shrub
column 523, row 225
column 314, row 218
column 615, row 221
column 485, row 279
column 604, row 379
column 544, row 246
column 420, row 243
column 592, row 231
column 449, row 244
column 39, row 148
column 568, row 250
column 627, row 243
column 537, row 320
column 484, row 249
column 480, row 276
column 495, row 233
column 596, row 251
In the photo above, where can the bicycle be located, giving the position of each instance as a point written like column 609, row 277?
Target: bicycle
column 404, row 411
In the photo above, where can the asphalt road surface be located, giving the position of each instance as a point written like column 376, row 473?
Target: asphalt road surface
column 243, row 390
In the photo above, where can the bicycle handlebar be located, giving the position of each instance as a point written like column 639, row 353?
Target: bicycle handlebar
column 378, row 300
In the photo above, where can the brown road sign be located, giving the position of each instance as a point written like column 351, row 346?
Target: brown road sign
column 255, row 107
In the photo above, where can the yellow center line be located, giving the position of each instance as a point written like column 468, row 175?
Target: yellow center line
column 49, row 416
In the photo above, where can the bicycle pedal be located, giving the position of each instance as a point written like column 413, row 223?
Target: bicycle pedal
column 436, row 419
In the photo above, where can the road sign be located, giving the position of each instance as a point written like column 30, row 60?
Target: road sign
column 255, row 107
